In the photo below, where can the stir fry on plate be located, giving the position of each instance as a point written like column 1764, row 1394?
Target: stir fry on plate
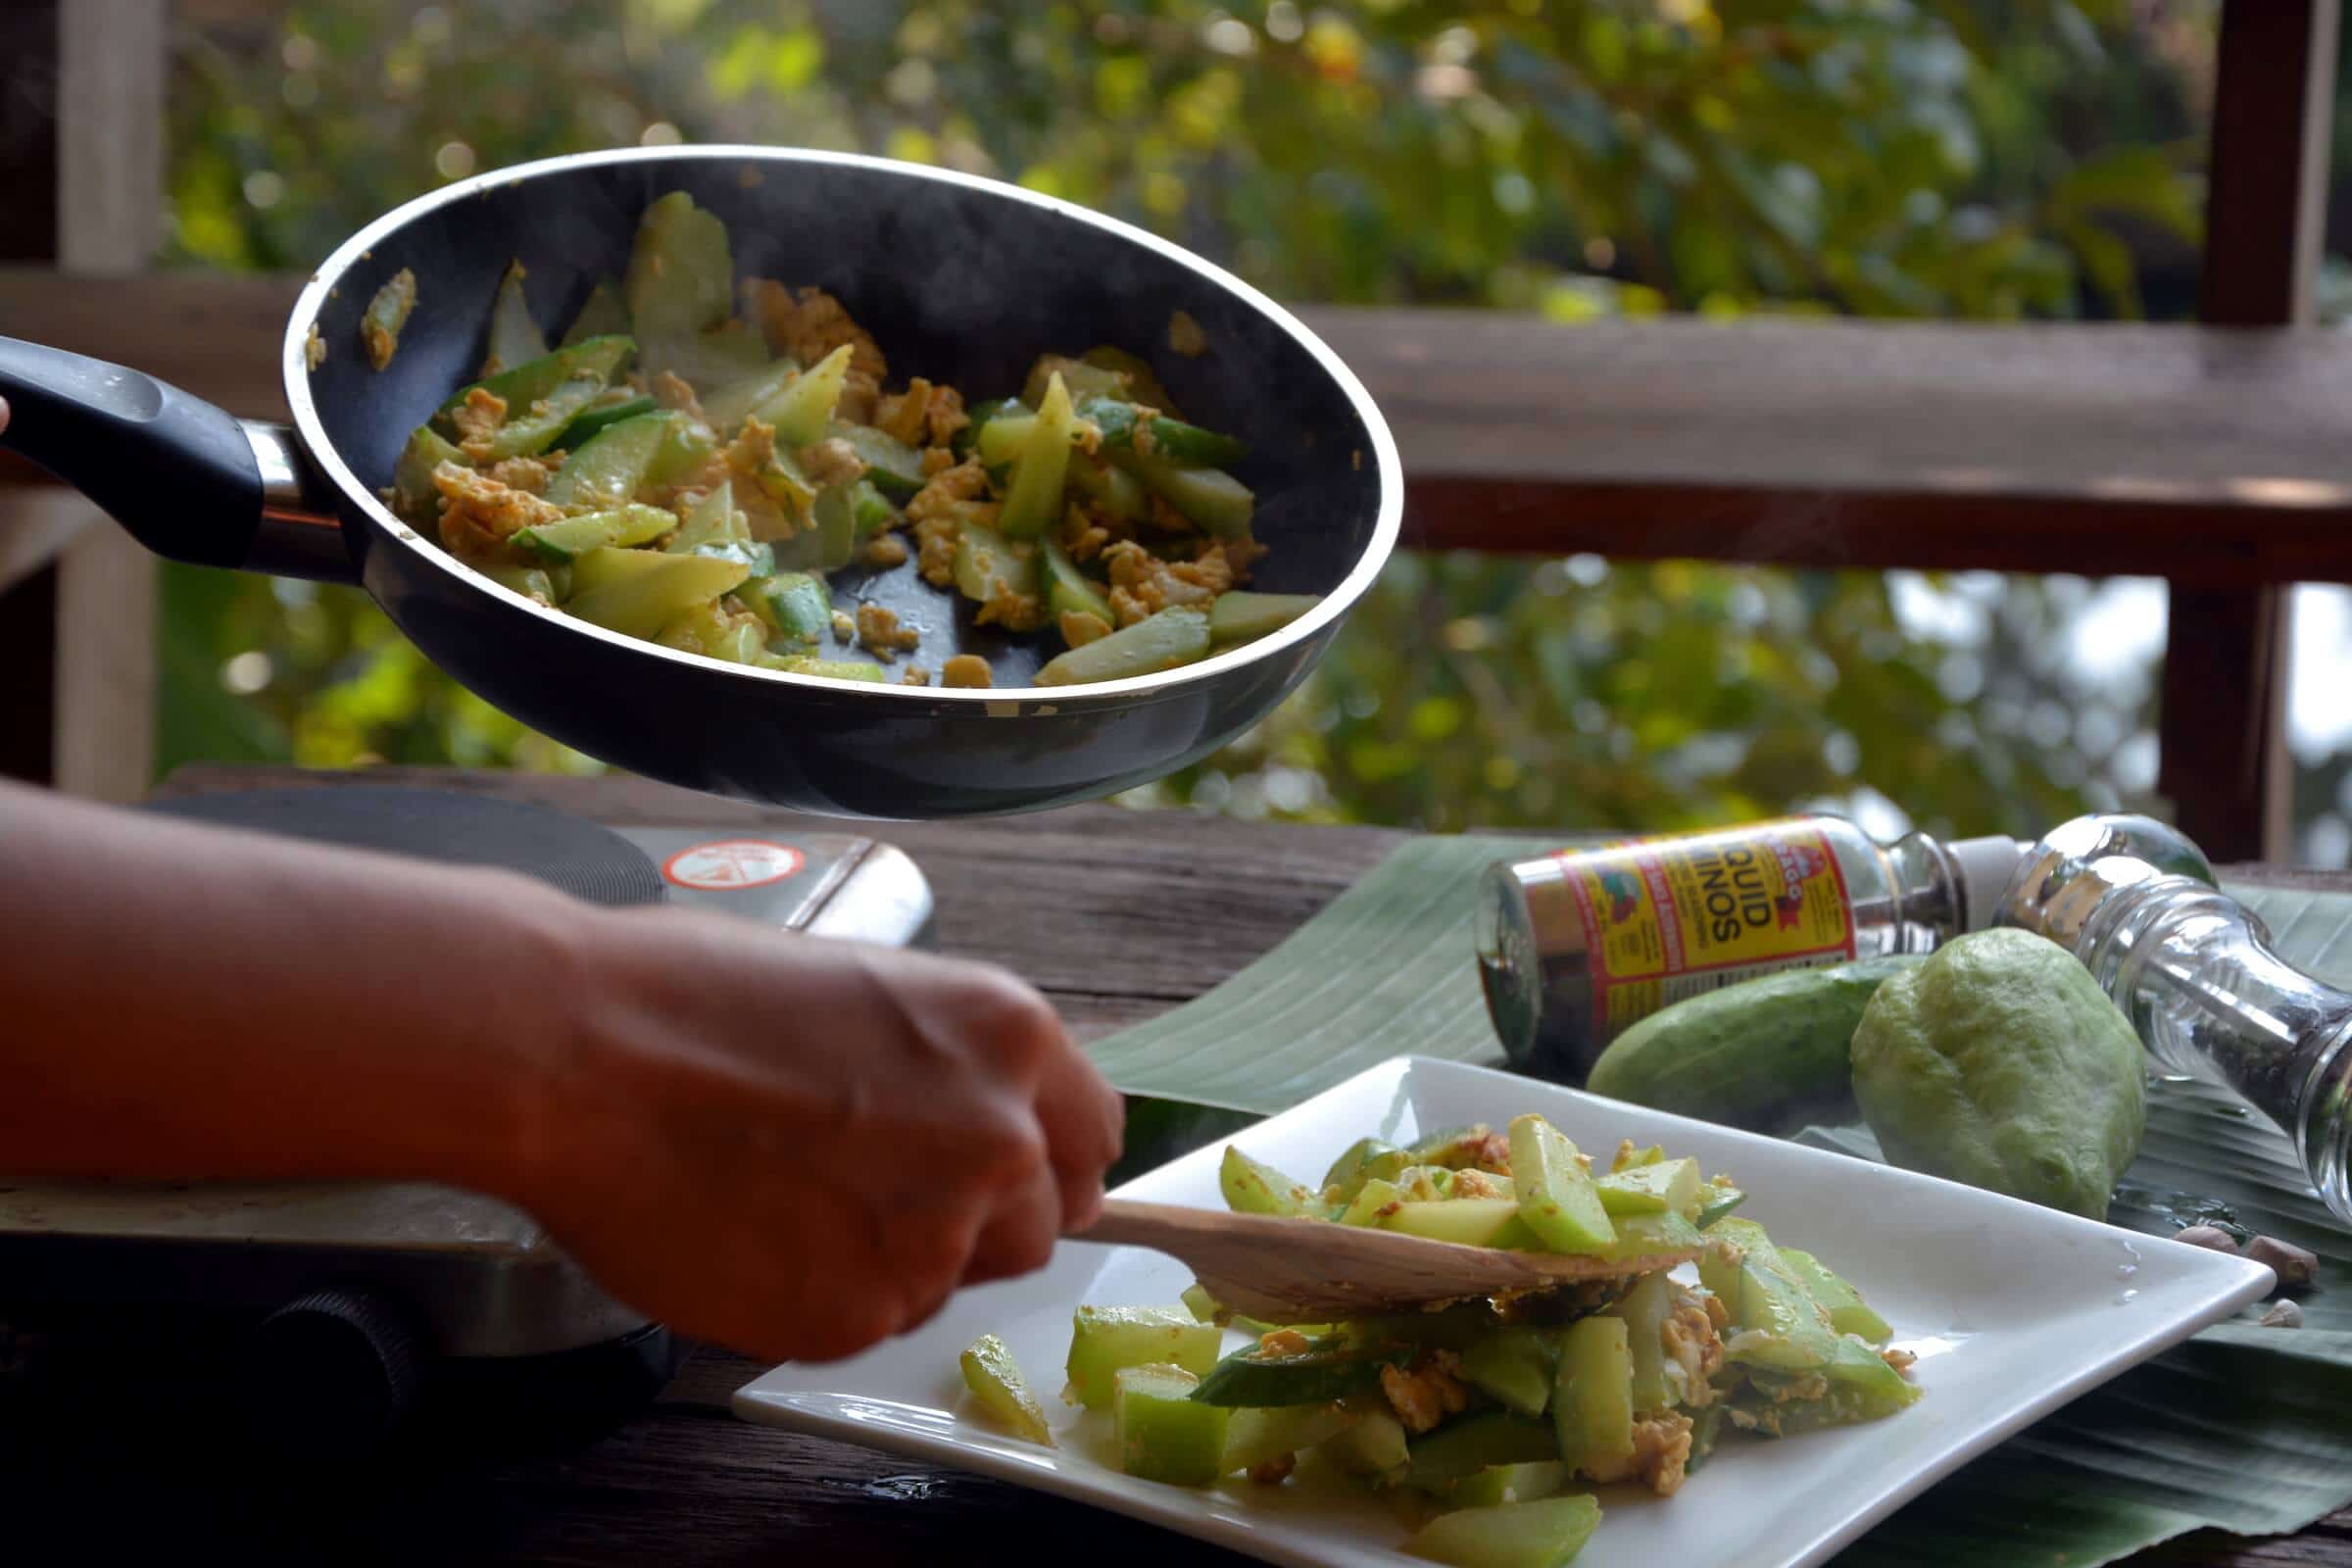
column 695, row 462
column 1489, row 1421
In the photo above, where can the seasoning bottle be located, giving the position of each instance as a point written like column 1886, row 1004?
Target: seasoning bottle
column 1576, row 947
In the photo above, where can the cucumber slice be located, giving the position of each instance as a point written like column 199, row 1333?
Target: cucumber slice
column 1070, row 590
column 1848, row 1312
column 1161, row 1432
column 1652, row 1236
column 1365, row 1159
column 836, row 528
column 1173, row 637
column 1464, row 1222
column 1187, row 445
column 1373, row 1202
column 1555, row 1191
column 871, row 513
column 1646, row 1308
column 759, row 559
column 982, row 414
column 802, row 408
column 1543, row 1533
column 988, row 566
column 597, row 359
column 414, row 500
column 1250, row 1188
column 710, row 631
column 530, row 581
column 1241, row 616
column 1113, row 491
column 602, row 314
column 614, row 406
column 644, row 602
column 1515, row 1367
column 1861, row 1377
column 681, row 277
column 727, row 353
column 608, row 565
column 713, row 520
column 1780, row 1324
column 1715, row 1200
column 1005, row 436
column 1033, row 500
column 1253, row 1437
column 1143, row 382
column 892, row 466
column 568, row 538
column 1211, row 497
column 515, row 338
column 1373, row 1446
column 1592, row 1397
column 1104, row 1338
column 1331, row 1369
column 794, row 602
column 736, row 399
column 1464, row 1446
column 998, row 1387
column 610, row 468
column 1669, row 1187
column 1499, row 1483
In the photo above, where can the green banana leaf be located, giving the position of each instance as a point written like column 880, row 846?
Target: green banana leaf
column 2242, row 1429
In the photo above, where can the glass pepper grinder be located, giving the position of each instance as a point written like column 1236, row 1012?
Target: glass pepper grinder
column 2194, row 972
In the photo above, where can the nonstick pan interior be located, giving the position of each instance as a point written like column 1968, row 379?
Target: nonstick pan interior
column 957, row 282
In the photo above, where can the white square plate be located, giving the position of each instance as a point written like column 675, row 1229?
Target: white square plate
column 2013, row 1310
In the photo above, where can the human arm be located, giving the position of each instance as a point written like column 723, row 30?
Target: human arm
column 791, row 1146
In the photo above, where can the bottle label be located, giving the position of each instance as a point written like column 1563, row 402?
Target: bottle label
column 1671, row 918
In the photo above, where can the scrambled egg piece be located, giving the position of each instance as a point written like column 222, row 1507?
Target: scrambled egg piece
column 916, row 676
column 1282, row 1341
column 672, row 391
column 832, row 462
column 922, row 416
column 313, row 348
column 480, row 513
column 845, row 629
column 1080, row 627
column 1143, row 585
column 1661, row 1452
column 387, row 312
column 880, row 631
column 477, row 419
column 1427, row 1395
column 810, row 323
column 965, row 670
column 1692, row 1339
column 1084, row 535
column 1475, row 1183
column 951, row 498
column 525, row 473
column 885, row 552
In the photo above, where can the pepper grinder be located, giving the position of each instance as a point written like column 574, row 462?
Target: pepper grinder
column 2196, row 972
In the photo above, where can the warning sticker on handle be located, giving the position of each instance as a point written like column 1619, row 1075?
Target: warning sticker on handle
column 729, row 866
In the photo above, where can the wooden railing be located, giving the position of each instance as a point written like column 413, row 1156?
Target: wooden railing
column 2218, row 457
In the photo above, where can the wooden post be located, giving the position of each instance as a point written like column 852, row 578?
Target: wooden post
column 2222, row 722
column 109, row 172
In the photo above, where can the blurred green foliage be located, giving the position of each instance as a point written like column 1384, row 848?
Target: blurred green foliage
column 1987, row 159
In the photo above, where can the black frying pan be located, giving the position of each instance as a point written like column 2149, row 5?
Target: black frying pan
column 960, row 279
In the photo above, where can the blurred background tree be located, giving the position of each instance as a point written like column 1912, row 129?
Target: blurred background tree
column 1569, row 159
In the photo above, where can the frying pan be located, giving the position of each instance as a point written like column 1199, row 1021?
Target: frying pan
column 960, row 279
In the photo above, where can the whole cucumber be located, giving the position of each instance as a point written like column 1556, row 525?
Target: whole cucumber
column 1769, row 1054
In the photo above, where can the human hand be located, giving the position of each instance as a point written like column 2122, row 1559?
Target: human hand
column 797, row 1146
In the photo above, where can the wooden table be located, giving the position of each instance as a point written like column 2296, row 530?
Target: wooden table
column 1184, row 900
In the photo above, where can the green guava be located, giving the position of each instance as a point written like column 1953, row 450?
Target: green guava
column 2000, row 1062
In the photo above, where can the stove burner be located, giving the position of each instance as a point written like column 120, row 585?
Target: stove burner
column 580, row 858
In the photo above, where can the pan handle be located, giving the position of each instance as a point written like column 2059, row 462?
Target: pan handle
column 187, row 480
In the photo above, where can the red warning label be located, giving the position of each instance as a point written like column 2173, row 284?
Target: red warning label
column 729, row 866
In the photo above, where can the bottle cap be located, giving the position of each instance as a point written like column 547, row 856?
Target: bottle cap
column 1985, row 866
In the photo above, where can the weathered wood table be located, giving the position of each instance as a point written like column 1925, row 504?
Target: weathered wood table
column 1118, row 915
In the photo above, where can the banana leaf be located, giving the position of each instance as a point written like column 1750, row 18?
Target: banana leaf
column 2242, row 1429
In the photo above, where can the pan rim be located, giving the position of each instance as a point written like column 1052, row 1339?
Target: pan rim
column 1387, row 522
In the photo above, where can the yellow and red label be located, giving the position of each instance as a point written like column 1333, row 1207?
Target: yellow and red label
column 1667, row 918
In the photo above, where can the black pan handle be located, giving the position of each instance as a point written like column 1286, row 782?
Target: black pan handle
column 189, row 481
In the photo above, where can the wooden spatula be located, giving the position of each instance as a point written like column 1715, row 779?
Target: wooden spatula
column 1313, row 1271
